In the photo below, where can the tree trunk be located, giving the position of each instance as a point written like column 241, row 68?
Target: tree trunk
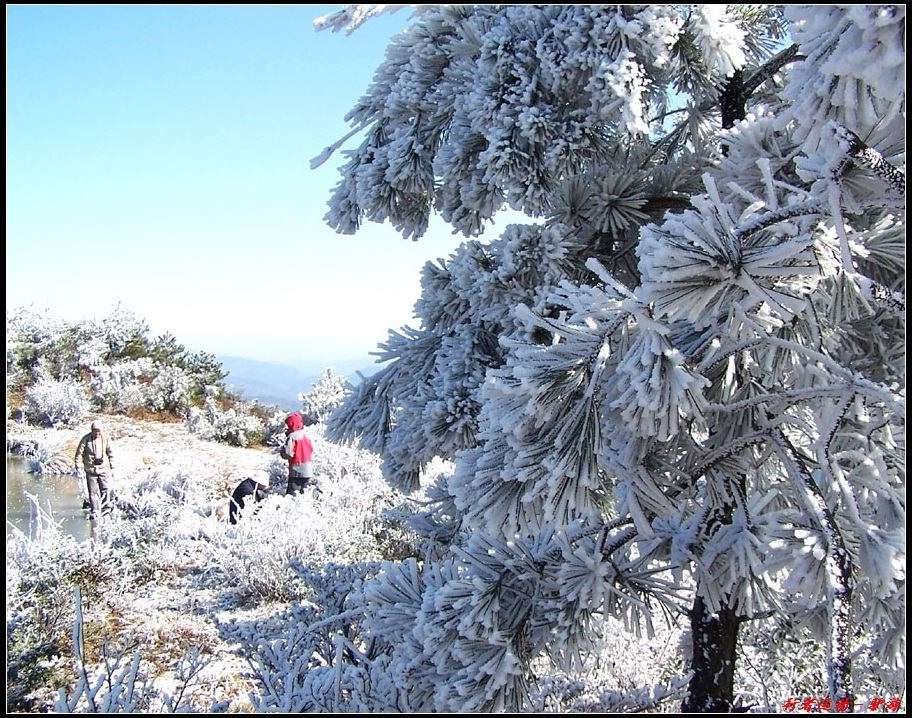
column 715, row 639
column 714, row 636
column 839, row 671
column 733, row 102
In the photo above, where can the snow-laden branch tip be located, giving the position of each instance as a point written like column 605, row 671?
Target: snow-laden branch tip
column 352, row 17
column 328, row 151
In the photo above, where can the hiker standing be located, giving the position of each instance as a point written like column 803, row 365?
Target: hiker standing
column 93, row 447
column 299, row 451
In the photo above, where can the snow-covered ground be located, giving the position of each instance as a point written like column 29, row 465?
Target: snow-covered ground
column 180, row 578
column 144, row 449
column 177, row 581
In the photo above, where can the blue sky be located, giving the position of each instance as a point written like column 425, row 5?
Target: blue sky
column 158, row 156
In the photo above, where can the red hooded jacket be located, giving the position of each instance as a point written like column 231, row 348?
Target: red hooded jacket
column 298, row 449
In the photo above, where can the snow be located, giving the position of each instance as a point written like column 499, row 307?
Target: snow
column 701, row 395
column 680, row 384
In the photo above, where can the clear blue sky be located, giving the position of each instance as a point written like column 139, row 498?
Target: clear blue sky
column 158, row 156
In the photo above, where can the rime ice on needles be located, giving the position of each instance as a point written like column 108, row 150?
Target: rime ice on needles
column 708, row 364
column 724, row 258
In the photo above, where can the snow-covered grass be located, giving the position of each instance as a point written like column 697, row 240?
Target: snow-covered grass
column 173, row 574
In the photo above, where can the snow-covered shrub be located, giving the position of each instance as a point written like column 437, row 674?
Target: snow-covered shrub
column 31, row 338
column 623, row 673
column 171, row 389
column 121, row 367
column 328, row 392
column 92, row 353
column 47, row 457
column 117, row 387
column 54, row 585
column 122, row 684
column 41, row 574
column 29, row 330
column 122, row 330
column 274, row 428
column 282, row 540
column 278, row 473
column 36, row 615
column 56, row 403
column 233, row 426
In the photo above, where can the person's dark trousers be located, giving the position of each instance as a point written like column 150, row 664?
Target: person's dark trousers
column 297, row 484
column 99, row 495
column 247, row 489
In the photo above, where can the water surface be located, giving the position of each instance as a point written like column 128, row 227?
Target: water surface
column 62, row 494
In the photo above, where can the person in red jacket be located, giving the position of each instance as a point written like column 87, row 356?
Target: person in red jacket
column 299, row 451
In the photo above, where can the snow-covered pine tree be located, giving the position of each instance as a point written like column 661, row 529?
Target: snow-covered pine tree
column 682, row 388
column 328, row 392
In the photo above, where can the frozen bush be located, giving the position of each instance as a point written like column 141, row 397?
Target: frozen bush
column 325, row 395
column 91, row 354
column 56, row 403
column 41, row 574
column 235, row 426
column 118, row 387
column 172, row 390
column 47, row 458
column 121, row 328
column 114, row 359
column 274, row 429
column 276, row 540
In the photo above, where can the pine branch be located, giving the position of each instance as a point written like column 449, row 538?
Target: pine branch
column 737, row 91
column 871, row 159
column 860, row 383
column 790, row 396
column 762, row 221
column 770, row 68
column 839, row 566
column 730, row 449
column 889, row 299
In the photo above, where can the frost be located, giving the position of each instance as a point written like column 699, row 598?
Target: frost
column 720, row 39
column 677, row 364
column 327, row 393
column 51, row 403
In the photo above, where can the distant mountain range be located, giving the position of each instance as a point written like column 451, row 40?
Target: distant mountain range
column 279, row 384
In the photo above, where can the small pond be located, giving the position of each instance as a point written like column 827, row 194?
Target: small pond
column 63, row 494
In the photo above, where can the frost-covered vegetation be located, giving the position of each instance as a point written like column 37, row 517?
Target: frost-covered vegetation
column 679, row 395
column 654, row 438
column 59, row 372
column 167, row 578
column 327, row 393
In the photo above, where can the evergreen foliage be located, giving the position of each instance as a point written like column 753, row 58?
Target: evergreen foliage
column 680, row 393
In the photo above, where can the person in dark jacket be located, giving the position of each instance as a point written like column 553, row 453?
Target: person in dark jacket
column 299, row 452
column 248, row 489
